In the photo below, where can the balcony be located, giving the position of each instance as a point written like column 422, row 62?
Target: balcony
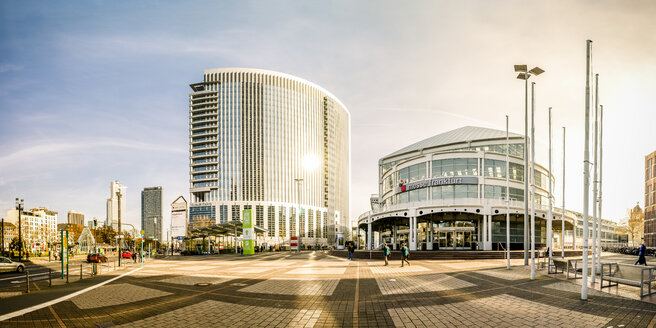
column 202, row 126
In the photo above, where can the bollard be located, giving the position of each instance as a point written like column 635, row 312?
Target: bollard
column 67, row 276
column 49, row 277
column 80, row 271
column 27, row 281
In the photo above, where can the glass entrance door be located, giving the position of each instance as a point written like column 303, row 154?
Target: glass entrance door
column 455, row 238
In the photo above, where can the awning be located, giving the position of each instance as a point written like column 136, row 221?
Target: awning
column 231, row 228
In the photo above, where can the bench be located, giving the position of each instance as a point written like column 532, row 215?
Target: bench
column 567, row 266
column 628, row 274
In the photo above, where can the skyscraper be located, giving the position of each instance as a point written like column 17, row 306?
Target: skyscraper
column 115, row 204
column 75, row 217
column 269, row 141
column 151, row 212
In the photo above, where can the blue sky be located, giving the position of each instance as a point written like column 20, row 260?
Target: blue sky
column 93, row 91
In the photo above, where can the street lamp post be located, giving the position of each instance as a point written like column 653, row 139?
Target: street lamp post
column 118, row 196
column 3, row 236
column 19, row 207
column 533, row 181
column 525, row 74
column 507, row 197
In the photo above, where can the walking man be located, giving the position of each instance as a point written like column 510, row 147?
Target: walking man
column 641, row 255
column 386, row 253
column 350, row 249
column 404, row 254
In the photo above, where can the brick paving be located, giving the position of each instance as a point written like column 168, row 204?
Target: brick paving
column 315, row 290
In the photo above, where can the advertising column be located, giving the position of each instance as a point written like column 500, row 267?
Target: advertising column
column 249, row 234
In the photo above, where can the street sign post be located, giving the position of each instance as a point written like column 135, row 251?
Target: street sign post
column 64, row 252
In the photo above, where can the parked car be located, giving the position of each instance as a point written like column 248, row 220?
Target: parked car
column 7, row 265
column 96, row 258
column 126, row 255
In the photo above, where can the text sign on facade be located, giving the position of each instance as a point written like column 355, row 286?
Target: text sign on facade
column 439, row 182
column 249, row 233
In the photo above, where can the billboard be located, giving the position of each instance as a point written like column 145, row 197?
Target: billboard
column 179, row 218
column 249, row 233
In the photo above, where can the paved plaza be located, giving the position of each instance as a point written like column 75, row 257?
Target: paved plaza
column 313, row 289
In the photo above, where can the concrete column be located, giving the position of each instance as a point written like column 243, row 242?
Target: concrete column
column 429, row 236
column 412, row 238
column 489, row 231
column 369, row 236
column 394, row 239
column 484, row 238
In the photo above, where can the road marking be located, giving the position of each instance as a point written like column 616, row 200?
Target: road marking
column 357, row 296
column 59, row 320
column 61, row 299
column 35, row 286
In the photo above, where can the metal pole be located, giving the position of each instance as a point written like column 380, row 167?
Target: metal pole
column 507, row 197
column 550, row 214
column 3, row 237
column 19, row 207
column 118, row 195
column 562, row 233
column 526, row 175
column 49, row 277
column 532, row 180
column 586, row 174
column 593, row 274
column 601, row 152
column 80, row 271
column 27, row 281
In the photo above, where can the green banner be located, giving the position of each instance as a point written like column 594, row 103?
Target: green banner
column 249, row 233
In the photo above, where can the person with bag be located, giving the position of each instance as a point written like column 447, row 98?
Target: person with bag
column 386, row 253
column 404, row 254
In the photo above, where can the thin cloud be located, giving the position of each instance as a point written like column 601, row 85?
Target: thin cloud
column 10, row 67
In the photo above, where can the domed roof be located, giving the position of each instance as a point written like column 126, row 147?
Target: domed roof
column 461, row 135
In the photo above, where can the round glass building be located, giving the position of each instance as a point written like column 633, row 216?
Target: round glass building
column 448, row 192
column 272, row 143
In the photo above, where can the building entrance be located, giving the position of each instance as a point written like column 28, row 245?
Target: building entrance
column 455, row 237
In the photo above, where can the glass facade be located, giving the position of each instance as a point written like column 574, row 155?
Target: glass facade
column 250, row 133
column 455, row 167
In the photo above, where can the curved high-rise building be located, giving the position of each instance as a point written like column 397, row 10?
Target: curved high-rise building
column 269, row 141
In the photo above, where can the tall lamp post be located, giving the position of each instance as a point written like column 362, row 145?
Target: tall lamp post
column 118, row 196
column 525, row 74
column 19, row 208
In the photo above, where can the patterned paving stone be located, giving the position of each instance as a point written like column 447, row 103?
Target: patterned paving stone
column 505, row 274
column 245, row 270
column 196, row 279
column 221, row 314
column 420, row 284
column 115, row 294
column 313, row 271
column 196, row 268
column 473, row 264
column 395, row 269
column 313, row 286
column 326, row 264
column 495, row 311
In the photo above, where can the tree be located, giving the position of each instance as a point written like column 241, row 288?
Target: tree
column 13, row 245
column 634, row 224
column 105, row 235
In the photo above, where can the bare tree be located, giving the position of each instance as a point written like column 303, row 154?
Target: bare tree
column 634, row 224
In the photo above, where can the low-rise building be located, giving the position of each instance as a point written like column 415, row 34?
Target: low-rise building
column 38, row 226
column 9, row 231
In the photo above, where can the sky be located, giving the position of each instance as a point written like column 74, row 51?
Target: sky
column 95, row 91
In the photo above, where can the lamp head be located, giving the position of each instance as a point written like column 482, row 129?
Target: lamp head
column 536, row 71
column 523, row 76
column 521, row 68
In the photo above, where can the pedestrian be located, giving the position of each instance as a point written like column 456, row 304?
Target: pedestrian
column 350, row 249
column 404, row 254
column 134, row 257
column 386, row 253
column 641, row 255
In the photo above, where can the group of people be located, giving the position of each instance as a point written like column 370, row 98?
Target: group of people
column 405, row 254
